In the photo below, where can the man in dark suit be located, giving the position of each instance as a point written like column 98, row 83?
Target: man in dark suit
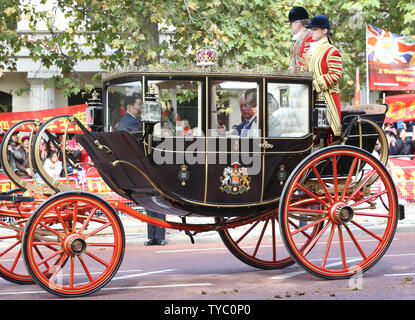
column 131, row 122
column 248, row 107
column 131, row 119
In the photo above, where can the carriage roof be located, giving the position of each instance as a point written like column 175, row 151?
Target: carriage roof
column 212, row 71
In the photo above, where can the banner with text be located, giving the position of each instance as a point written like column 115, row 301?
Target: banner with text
column 8, row 119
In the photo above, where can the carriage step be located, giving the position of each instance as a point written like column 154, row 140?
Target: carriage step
column 401, row 212
column 16, row 198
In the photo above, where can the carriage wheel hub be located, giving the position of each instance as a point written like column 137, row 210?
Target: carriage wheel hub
column 75, row 244
column 341, row 213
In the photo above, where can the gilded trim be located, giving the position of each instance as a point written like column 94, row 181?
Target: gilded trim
column 264, row 130
column 207, row 100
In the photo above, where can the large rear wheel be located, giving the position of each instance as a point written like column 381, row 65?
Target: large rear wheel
column 339, row 187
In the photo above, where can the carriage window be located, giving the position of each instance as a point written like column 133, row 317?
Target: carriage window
column 116, row 96
column 287, row 110
column 234, row 108
column 181, row 102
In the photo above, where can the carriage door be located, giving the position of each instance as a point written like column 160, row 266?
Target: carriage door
column 234, row 156
column 287, row 130
column 178, row 142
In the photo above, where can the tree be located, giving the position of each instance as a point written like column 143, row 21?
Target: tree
column 249, row 32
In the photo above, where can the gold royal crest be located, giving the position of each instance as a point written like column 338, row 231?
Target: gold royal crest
column 235, row 179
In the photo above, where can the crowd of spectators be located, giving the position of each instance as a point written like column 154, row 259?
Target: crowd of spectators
column 401, row 138
column 50, row 153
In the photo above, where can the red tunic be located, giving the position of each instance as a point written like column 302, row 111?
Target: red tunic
column 299, row 49
column 326, row 64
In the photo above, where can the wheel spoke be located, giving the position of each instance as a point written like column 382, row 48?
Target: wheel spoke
column 349, row 177
column 51, row 230
column 85, row 269
column 366, row 230
column 41, row 256
column 87, row 220
column 260, row 238
column 372, row 197
column 72, row 271
column 248, row 231
column 58, row 267
column 59, row 214
column 101, row 244
column 359, row 248
column 9, row 248
column 334, row 161
column 8, row 237
column 49, row 257
column 341, row 242
column 322, row 183
column 75, row 212
column 97, row 259
column 312, row 195
column 97, row 230
column 274, row 243
column 308, row 236
column 315, row 239
column 360, row 186
column 326, row 253
column 309, row 225
column 16, row 260
column 371, row 214
column 307, row 210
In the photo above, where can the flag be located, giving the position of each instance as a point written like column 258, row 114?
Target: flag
column 391, row 60
column 401, row 107
column 357, row 89
column 385, row 47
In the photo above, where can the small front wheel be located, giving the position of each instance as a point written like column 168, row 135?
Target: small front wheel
column 73, row 244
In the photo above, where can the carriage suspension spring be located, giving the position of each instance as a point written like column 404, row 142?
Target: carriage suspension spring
column 187, row 232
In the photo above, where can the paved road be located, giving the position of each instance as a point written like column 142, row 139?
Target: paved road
column 207, row 271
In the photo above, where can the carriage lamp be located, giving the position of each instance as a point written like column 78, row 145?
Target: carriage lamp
column 322, row 121
column 321, row 113
column 94, row 115
column 151, row 111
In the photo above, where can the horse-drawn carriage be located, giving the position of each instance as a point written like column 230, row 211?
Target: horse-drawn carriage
column 332, row 204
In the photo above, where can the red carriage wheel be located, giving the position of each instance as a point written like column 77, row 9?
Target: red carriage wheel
column 73, row 244
column 13, row 218
column 257, row 242
column 346, row 189
column 12, row 266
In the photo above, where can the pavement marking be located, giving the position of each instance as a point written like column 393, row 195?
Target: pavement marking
column 251, row 247
column 120, row 288
column 296, row 273
column 398, row 274
column 120, row 278
column 161, row 286
column 354, row 259
column 142, row 274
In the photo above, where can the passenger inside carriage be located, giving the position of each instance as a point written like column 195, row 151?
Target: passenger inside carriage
column 249, row 108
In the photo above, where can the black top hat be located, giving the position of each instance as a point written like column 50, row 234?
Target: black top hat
column 320, row 21
column 297, row 13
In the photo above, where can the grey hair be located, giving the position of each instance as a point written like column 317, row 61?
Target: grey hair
column 273, row 103
column 304, row 22
column 250, row 97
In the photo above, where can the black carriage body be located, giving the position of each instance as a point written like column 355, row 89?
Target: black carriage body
column 204, row 172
